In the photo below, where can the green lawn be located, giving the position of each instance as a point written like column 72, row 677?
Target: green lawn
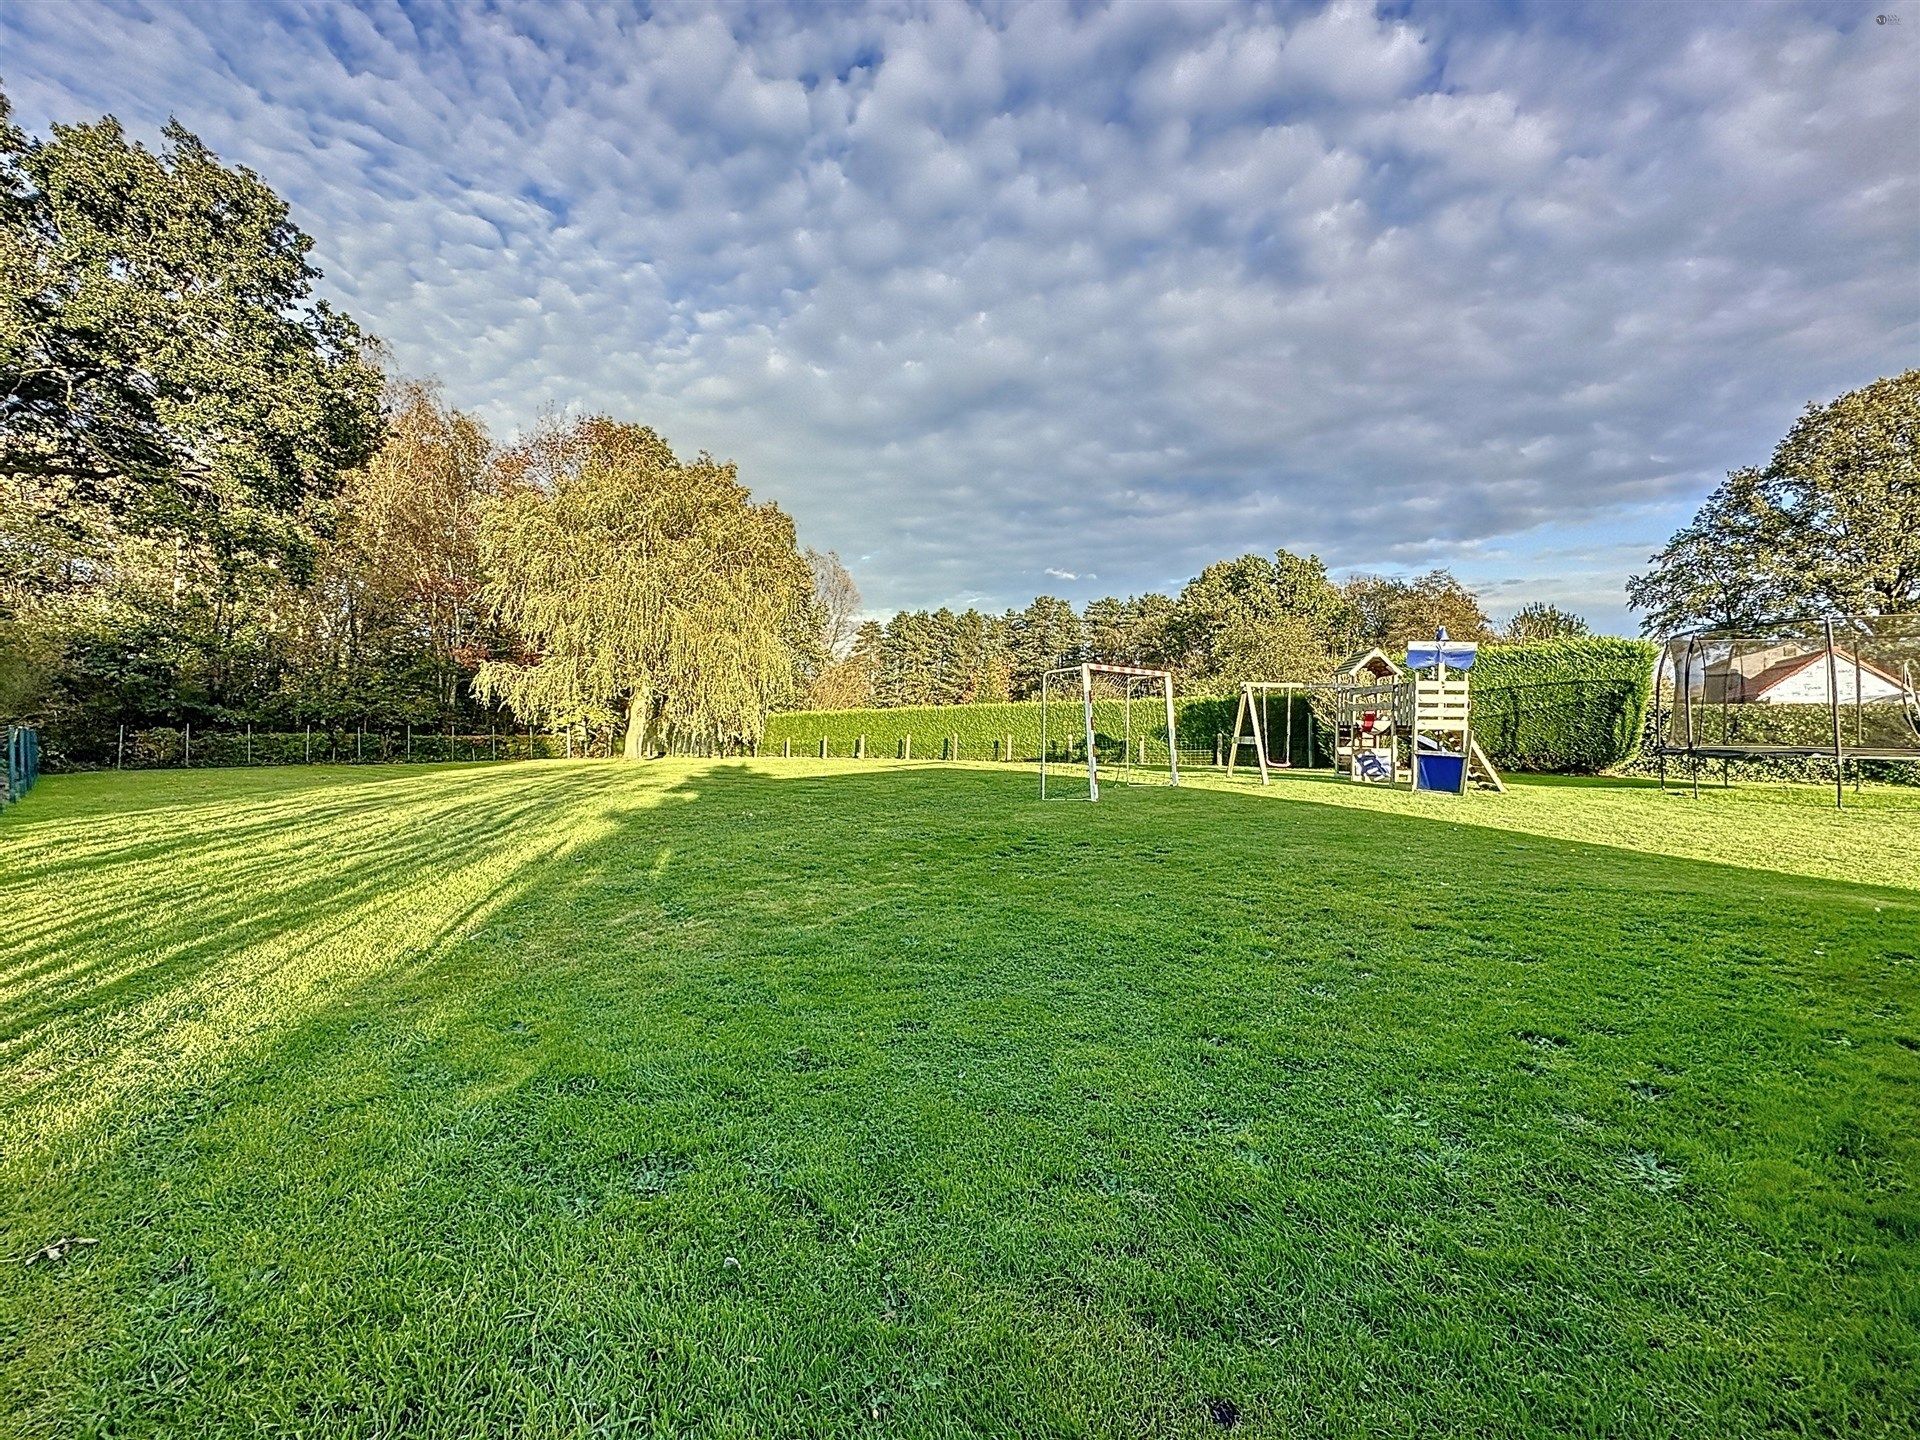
column 858, row 1098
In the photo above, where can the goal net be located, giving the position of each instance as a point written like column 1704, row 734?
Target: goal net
column 1106, row 724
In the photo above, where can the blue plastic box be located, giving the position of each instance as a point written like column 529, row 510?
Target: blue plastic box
column 1440, row 772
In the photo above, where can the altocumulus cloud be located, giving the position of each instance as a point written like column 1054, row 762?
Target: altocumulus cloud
column 1146, row 284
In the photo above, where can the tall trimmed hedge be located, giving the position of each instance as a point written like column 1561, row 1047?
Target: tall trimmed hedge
column 983, row 730
column 1563, row 705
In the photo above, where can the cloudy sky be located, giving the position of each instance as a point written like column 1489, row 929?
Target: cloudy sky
column 1078, row 297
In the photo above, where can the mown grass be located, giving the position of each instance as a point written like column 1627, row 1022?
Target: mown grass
column 838, row 1098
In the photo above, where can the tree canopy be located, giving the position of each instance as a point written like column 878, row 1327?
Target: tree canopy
column 164, row 365
column 640, row 584
column 177, row 413
column 1255, row 618
column 1389, row 612
column 1542, row 620
column 1830, row 526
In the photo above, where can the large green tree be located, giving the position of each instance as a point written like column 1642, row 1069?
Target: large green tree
column 641, row 586
column 1543, row 620
column 938, row 657
column 394, row 624
column 164, row 365
column 1389, row 611
column 176, row 410
column 1133, row 631
column 1830, row 526
column 1045, row 634
column 1257, row 619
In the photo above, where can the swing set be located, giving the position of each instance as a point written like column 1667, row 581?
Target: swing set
column 1253, row 723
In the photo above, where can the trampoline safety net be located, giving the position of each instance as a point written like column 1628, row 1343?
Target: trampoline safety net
column 1845, row 685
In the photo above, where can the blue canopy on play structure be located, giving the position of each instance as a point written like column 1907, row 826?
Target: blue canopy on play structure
column 1454, row 654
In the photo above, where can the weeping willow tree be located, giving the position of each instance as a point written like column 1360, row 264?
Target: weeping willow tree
column 641, row 587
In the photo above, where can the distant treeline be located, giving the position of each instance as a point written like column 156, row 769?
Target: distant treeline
column 1252, row 617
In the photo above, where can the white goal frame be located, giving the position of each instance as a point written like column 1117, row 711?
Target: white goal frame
column 1131, row 675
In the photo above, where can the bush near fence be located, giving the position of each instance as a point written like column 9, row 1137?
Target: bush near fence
column 1567, row 706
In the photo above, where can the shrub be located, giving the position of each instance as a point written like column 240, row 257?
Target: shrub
column 1577, row 705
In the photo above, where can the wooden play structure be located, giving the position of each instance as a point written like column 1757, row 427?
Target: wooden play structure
column 1390, row 726
column 1443, row 755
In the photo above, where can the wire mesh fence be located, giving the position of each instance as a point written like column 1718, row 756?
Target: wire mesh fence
column 1060, row 750
column 22, row 762
column 188, row 746
column 164, row 747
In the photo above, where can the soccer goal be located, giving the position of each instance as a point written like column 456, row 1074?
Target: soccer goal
column 1115, row 724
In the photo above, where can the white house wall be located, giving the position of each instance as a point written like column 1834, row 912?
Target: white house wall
column 1808, row 686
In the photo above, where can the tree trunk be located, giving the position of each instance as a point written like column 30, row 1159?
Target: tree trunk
column 639, row 709
column 656, row 738
column 646, row 718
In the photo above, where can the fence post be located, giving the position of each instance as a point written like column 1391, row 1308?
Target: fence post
column 786, row 749
column 906, row 746
column 186, row 758
column 409, row 742
column 860, row 748
column 360, row 743
column 495, row 733
column 823, row 747
column 309, row 749
column 1217, row 762
column 120, row 755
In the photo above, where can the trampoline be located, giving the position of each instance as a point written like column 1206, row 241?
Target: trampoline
column 1840, row 687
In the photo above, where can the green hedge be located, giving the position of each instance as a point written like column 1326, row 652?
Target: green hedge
column 982, row 732
column 1576, row 706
